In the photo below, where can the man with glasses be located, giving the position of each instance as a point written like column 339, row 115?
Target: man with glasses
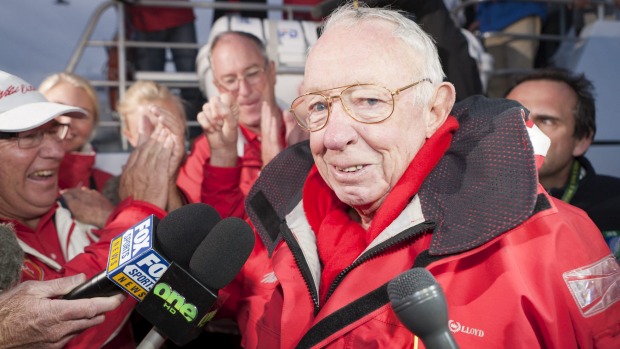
column 55, row 244
column 244, row 128
column 396, row 176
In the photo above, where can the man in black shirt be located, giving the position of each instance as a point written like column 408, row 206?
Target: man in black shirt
column 562, row 106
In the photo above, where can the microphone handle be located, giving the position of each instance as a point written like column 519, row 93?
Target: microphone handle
column 444, row 340
column 98, row 286
column 153, row 340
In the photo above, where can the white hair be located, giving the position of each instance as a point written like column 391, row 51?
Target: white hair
column 420, row 43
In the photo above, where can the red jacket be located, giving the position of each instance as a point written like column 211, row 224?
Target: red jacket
column 152, row 18
column 60, row 246
column 78, row 169
column 510, row 259
column 223, row 188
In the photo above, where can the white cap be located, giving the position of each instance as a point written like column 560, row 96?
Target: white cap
column 23, row 108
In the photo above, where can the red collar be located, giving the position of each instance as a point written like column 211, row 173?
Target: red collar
column 339, row 238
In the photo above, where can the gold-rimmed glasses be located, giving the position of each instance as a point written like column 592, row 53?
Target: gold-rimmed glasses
column 365, row 103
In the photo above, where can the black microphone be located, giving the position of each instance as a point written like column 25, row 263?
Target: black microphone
column 185, row 228
column 140, row 255
column 11, row 257
column 219, row 259
column 182, row 302
column 420, row 304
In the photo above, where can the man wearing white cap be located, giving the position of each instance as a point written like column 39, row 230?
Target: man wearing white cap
column 56, row 245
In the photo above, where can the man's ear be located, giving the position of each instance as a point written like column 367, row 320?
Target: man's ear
column 440, row 107
column 581, row 145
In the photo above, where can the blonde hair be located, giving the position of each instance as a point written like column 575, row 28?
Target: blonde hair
column 76, row 81
column 143, row 91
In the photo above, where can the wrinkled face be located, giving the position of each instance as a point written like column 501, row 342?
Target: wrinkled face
column 235, row 56
column 29, row 177
column 81, row 128
column 552, row 107
column 363, row 162
column 142, row 110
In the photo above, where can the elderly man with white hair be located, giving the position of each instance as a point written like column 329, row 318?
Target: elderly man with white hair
column 396, row 176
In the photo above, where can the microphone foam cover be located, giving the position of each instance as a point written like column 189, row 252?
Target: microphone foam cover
column 220, row 256
column 183, row 229
column 11, row 257
column 409, row 283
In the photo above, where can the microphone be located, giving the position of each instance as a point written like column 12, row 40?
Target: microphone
column 182, row 302
column 420, row 304
column 219, row 258
column 139, row 256
column 133, row 264
column 11, row 257
column 185, row 228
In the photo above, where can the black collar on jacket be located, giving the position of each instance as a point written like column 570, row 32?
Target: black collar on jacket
column 485, row 184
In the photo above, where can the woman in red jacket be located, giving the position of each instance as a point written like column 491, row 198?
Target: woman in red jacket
column 78, row 166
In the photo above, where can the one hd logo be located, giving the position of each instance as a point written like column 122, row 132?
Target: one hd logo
column 174, row 302
column 133, row 264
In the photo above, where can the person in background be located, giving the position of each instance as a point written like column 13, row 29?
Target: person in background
column 244, row 128
column 32, row 316
column 81, row 183
column 452, row 44
column 78, row 166
column 32, row 148
column 509, row 18
column 395, row 176
column 168, row 25
column 144, row 106
column 217, row 13
column 562, row 105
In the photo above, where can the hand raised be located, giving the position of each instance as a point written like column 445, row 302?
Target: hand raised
column 270, row 127
column 177, row 126
column 219, row 121
column 294, row 132
column 146, row 176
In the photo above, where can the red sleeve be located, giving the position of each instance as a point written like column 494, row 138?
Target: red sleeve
column 75, row 170
column 94, row 260
column 215, row 186
column 220, row 189
column 191, row 173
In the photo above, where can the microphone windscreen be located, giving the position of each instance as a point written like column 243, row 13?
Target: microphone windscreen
column 220, row 256
column 409, row 283
column 183, row 229
column 420, row 304
column 11, row 257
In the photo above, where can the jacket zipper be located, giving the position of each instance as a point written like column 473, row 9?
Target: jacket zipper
column 401, row 238
column 295, row 249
